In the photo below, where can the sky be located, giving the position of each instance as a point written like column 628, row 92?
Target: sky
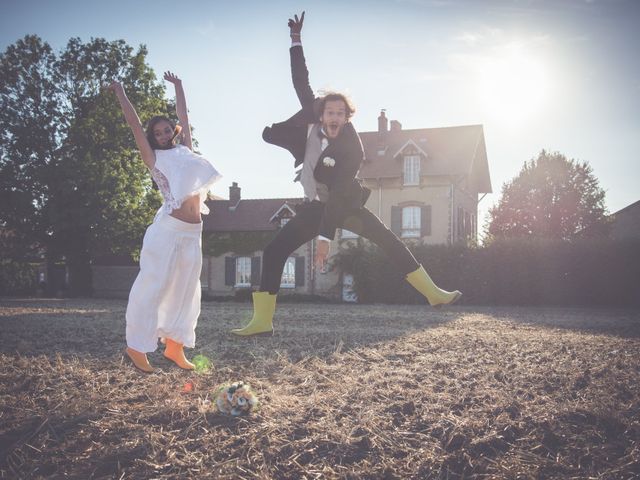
column 559, row 75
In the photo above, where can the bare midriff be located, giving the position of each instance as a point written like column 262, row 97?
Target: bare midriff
column 189, row 211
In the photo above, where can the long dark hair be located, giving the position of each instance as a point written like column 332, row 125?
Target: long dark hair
column 151, row 137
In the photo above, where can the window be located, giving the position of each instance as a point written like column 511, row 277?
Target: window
column 283, row 221
column 412, row 170
column 348, row 234
column 289, row 274
column 467, row 224
column 474, row 226
column 243, row 272
column 411, row 222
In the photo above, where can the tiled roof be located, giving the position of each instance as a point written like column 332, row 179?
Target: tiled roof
column 450, row 151
column 249, row 215
column 633, row 206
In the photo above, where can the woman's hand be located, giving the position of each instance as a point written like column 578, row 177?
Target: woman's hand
column 181, row 108
column 295, row 25
column 115, row 86
column 172, row 77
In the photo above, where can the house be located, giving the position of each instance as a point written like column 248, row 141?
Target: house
column 234, row 235
column 625, row 223
column 426, row 182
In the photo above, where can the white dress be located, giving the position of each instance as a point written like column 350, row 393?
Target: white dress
column 165, row 298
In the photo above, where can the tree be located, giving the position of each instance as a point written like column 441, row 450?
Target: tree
column 28, row 134
column 552, row 198
column 70, row 175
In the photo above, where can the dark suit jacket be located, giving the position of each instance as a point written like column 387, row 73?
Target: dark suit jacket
column 345, row 191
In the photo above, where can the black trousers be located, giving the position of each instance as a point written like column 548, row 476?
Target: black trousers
column 304, row 227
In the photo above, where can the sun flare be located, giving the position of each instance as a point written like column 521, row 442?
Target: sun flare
column 513, row 86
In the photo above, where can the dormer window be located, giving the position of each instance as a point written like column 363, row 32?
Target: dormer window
column 411, row 170
column 282, row 216
column 410, row 157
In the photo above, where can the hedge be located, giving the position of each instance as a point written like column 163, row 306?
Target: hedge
column 507, row 272
column 17, row 278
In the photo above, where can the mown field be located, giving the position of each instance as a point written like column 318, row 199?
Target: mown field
column 346, row 391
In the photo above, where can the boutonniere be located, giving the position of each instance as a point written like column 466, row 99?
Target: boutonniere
column 328, row 162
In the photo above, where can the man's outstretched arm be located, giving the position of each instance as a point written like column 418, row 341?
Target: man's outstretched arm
column 299, row 72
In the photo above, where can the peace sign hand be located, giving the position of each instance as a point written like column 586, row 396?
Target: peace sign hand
column 295, row 25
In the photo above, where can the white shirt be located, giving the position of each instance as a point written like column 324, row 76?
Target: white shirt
column 181, row 174
column 307, row 179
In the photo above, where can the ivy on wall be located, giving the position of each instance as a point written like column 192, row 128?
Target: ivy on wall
column 215, row 244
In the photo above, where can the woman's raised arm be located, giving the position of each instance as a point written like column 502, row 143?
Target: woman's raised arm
column 130, row 115
column 181, row 108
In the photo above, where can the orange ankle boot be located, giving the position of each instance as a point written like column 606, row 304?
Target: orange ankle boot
column 175, row 353
column 139, row 360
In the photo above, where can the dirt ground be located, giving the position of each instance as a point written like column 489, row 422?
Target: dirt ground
column 346, row 391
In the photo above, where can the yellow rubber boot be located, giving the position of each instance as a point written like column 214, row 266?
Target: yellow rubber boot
column 264, row 305
column 139, row 360
column 175, row 352
column 421, row 281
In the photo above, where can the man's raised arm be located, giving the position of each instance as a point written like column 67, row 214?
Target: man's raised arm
column 299, row 72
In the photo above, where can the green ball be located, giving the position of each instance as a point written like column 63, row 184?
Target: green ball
column 202, row 363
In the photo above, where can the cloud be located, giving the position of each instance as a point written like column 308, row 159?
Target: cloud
column 208, row 29
column 428, row 3
column 468, row 38
column 415, row 74
column 492, row 37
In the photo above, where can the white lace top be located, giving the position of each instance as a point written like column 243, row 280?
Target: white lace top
column 181, row 174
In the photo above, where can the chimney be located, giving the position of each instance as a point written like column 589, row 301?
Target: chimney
column 234, row 194
column 382, row 123
column 396, row 126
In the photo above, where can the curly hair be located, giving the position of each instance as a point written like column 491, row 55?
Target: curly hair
column 334, row 96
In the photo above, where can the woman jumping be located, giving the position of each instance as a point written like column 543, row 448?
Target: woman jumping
column 164, row 301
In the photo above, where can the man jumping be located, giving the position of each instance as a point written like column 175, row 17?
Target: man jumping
column 323, row 140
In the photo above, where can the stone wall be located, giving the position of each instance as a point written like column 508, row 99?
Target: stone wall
column 112, row 281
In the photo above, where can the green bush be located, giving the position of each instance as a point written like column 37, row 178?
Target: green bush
column 507, row 272
column 17, row 278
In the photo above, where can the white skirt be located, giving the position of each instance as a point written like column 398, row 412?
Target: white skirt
column 165, row 298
